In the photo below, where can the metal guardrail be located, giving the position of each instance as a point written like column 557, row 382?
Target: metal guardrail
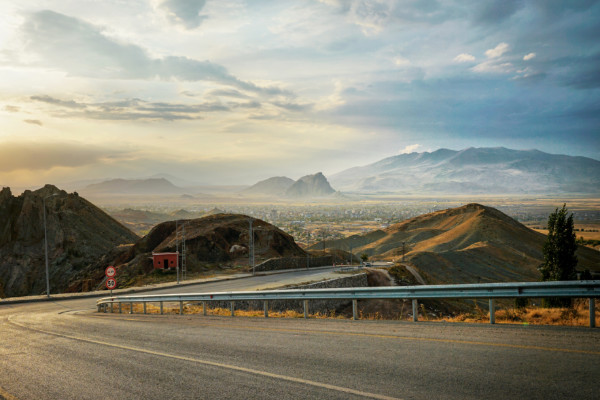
column 491, row 291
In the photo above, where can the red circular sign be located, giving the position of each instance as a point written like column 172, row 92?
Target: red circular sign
column 110, row 272
column 111, row 283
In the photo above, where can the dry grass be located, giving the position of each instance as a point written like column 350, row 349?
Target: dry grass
column 576, row 316
column 173, row 309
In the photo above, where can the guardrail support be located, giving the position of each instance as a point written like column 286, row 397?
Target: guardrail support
column 354, row 309
column 415, row 306
column 161, row 308
column 181, row 308
column 266, row 307
column 120, row 308
column 144, row 307
column 112, row 308
column 592, row 312
column 305, row 308
column 130, row 308
column 233, row 309
column 204, row 308
column 492, row 312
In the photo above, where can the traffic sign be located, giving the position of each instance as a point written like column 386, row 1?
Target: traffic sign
column 110, row 272
column 111, row 283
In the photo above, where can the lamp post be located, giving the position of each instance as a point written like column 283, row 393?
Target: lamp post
column 46, row 246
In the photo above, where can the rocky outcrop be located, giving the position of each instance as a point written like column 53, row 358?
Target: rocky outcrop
column 310, row 186
column 78, row 232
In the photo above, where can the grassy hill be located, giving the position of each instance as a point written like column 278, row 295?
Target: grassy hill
column 468, row 244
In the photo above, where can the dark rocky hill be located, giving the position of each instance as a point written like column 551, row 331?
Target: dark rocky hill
column 310, row 186
column 213, row 241
column 79, row 233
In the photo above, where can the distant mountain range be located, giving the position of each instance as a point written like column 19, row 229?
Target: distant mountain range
column 151, row 186
column 473, row 171
column 309, row 186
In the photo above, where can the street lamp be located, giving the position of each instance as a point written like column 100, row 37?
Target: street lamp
column 46, row 246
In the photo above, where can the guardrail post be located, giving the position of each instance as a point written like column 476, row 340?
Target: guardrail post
column 161, row 308
column 112, row 307
column 492, row 312
column 204, row 308
column 120, row 308
column 354, row 309
column 266, row 307
column 99, row 307
column 181, row 308
column 233, row 309
column 305, row 308
column 144, row 307
column 415, row 310
column 130, row 308
column 592, row 312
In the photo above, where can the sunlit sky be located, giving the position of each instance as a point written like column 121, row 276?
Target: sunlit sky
column 231, row 92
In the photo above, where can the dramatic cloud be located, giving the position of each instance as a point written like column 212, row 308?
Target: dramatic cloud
column 529, row 56
column 130, row 109
column 81, row 49
column 184, row 12
column 495, row 11
column 16, row 156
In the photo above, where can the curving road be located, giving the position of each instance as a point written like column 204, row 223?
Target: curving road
column 64, row 350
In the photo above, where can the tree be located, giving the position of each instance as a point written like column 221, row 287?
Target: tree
column 364, row 257
column 560, row 260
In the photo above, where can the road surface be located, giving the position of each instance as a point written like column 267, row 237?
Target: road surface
column 65, row 350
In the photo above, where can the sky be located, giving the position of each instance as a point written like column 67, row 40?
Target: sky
column 232, row 92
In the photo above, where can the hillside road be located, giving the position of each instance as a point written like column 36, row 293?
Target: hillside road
column 65, row 350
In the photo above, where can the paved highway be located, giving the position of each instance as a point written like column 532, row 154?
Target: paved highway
column 64, row 350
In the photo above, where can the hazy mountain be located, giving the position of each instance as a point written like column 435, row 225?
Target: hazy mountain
column 310, row 186
column 79, row 234
column 474, row 170
column 153, row 186
column 467, row 244
column 275, row 186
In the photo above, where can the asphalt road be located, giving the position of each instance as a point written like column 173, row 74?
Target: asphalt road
column 65, row 350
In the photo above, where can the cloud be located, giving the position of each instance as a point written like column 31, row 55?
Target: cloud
column 43, row 156
column 410, row 148
column 464, row 57
column 496, row 11
column 497, row 51
column 33, row 122
column 401, row 62
column 529, row 56
column 184, row 12
column 494, row 67
column 81, row 49
column 12, row 109
column 129, row 109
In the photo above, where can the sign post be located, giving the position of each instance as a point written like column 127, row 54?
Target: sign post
column 111, row 281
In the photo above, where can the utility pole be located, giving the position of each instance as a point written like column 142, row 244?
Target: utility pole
column 177, row 248
column 183, row 264
column 46, row 246
column 403, row 250
column 251, row 246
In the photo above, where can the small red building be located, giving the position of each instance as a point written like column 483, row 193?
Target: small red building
column 165, row 260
